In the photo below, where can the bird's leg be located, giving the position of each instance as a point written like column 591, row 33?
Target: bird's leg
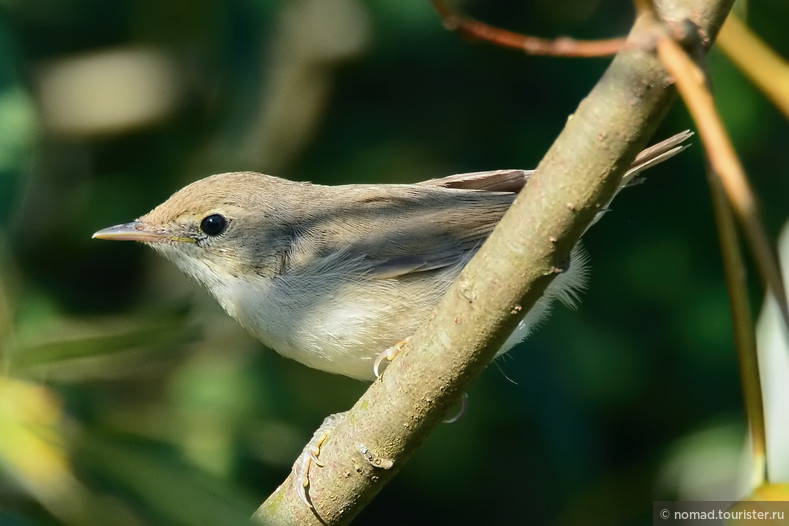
column 389, row 354
column 309, row 456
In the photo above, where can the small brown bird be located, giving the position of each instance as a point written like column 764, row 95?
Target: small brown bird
column 332, row 276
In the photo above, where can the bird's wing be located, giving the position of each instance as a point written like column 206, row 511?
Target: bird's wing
column 402, row 231
column 436, row 243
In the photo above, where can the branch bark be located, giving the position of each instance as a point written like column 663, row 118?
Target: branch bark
column 578, row 175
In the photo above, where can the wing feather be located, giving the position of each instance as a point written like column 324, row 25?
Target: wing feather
column 400, row 230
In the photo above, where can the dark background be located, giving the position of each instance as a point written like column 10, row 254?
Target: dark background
column 169, row 413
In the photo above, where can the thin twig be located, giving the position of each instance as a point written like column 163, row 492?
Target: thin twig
column 743, row 327
column 691, row 84
column 560, row 47
column 729, row 184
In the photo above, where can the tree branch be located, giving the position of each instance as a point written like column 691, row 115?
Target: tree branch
column 559, row 47
column 579, row 174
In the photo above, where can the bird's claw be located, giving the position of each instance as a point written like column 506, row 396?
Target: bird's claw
column 309, row 455
column 315, row 452
column 388, row 354
column 462, row 411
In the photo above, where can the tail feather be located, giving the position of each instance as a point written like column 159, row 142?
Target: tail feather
column 514, row 180
column 656, row 154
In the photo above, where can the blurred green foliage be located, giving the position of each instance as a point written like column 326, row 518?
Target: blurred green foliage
column 152, row 407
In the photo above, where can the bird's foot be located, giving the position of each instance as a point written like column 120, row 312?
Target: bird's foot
column 309, row 456
column 389, row 354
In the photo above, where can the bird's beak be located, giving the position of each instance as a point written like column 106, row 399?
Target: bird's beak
column 134, row 231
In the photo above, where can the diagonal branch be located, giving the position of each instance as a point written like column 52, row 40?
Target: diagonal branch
column 579, row 174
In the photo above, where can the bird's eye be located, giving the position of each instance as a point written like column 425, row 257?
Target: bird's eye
column 214, row 224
